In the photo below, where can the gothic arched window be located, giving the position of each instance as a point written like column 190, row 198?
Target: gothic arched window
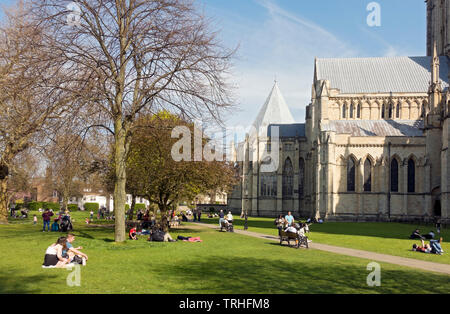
column 269, row 185
column 352, row 110
column 383, row 112
column 288, row 178
column 351, row 175
column 358, row 112
column 397, row 113
column 301, row 183
column 394, row 175
column 411, row 176
column 368, row 176
column 344, row 111
column 391, row 111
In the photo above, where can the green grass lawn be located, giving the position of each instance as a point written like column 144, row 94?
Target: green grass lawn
column 223, row 263
column 386, row 238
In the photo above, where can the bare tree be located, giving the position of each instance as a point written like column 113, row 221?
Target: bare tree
column 142, row 56
column 32, row 98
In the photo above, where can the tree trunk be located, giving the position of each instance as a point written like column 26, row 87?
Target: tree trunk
column 4, row 200
column 164, row 219
column 120, row 182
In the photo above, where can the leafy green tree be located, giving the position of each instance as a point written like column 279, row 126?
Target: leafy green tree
column 154, row 173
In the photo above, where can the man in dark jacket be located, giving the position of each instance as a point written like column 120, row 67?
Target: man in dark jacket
column 46, row 218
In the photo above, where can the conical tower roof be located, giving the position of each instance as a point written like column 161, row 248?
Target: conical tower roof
column 274, row 111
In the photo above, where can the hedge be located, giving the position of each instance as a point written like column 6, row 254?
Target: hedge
column 91, row 206
column 52, row 206
column 34, row 206
column 72, row 207
column 140, row 207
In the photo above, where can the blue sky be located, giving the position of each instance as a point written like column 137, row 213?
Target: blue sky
column 281, row 38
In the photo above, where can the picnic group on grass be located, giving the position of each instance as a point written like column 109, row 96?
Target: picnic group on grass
column 62, row 253
column 155, row 231
column 434, row 247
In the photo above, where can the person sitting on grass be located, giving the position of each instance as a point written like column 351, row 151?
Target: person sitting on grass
column 416, row 235
column 53, row 254
column 133, row 233
column 55, row 225
column 429, row 236
column 434, row 247
column 158, row 235
column 74, row 254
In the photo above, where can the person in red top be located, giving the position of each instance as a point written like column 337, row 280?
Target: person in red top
column 132, row 234
column 46, row 218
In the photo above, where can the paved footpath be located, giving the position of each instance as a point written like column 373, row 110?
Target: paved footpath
column 397, row 260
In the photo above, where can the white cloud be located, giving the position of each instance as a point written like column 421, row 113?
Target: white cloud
column 284, row 46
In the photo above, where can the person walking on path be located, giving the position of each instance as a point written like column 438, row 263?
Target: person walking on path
column 289, row 218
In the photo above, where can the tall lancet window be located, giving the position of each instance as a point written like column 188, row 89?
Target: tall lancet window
column 352, row 110
column 301, row 183
column 397, row 113
column 383, row 111
column 394, row 175
column 411, row 176
column 288, row 178
column 351, row 175
column 368, row 176
column 358, row 112
column 344, row 111
column 391, row 111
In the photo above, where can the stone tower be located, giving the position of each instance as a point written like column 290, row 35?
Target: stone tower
column 438, row 26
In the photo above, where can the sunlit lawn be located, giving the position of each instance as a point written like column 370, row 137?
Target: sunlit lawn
column 386, row 238
column 223, row 263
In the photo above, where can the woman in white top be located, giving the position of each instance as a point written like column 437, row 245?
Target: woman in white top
column 53, row 255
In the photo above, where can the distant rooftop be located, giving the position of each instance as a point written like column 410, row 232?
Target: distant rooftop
column 380, row 75
column 288, row 130
column 382, row 128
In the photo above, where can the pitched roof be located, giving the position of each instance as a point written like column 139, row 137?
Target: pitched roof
column 380, row 75
column 274, row 111
column 382, row 128
column 288, row 130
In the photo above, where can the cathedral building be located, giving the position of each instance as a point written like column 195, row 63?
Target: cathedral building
column 374, row 146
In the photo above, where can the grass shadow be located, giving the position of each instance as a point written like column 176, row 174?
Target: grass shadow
column 237, row 275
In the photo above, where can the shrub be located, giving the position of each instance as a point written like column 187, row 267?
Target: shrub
column 52, row 206
column 91, row 206
column 140, row 207
column 127, row 207
column 34, row 206
column 72, row 207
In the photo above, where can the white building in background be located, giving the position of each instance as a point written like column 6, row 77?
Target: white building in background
column 104, row 200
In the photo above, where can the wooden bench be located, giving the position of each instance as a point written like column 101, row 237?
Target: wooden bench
column 288, row 236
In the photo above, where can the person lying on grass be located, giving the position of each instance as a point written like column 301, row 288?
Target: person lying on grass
column 54, row 256
column 74, row 254
column 434, row 247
